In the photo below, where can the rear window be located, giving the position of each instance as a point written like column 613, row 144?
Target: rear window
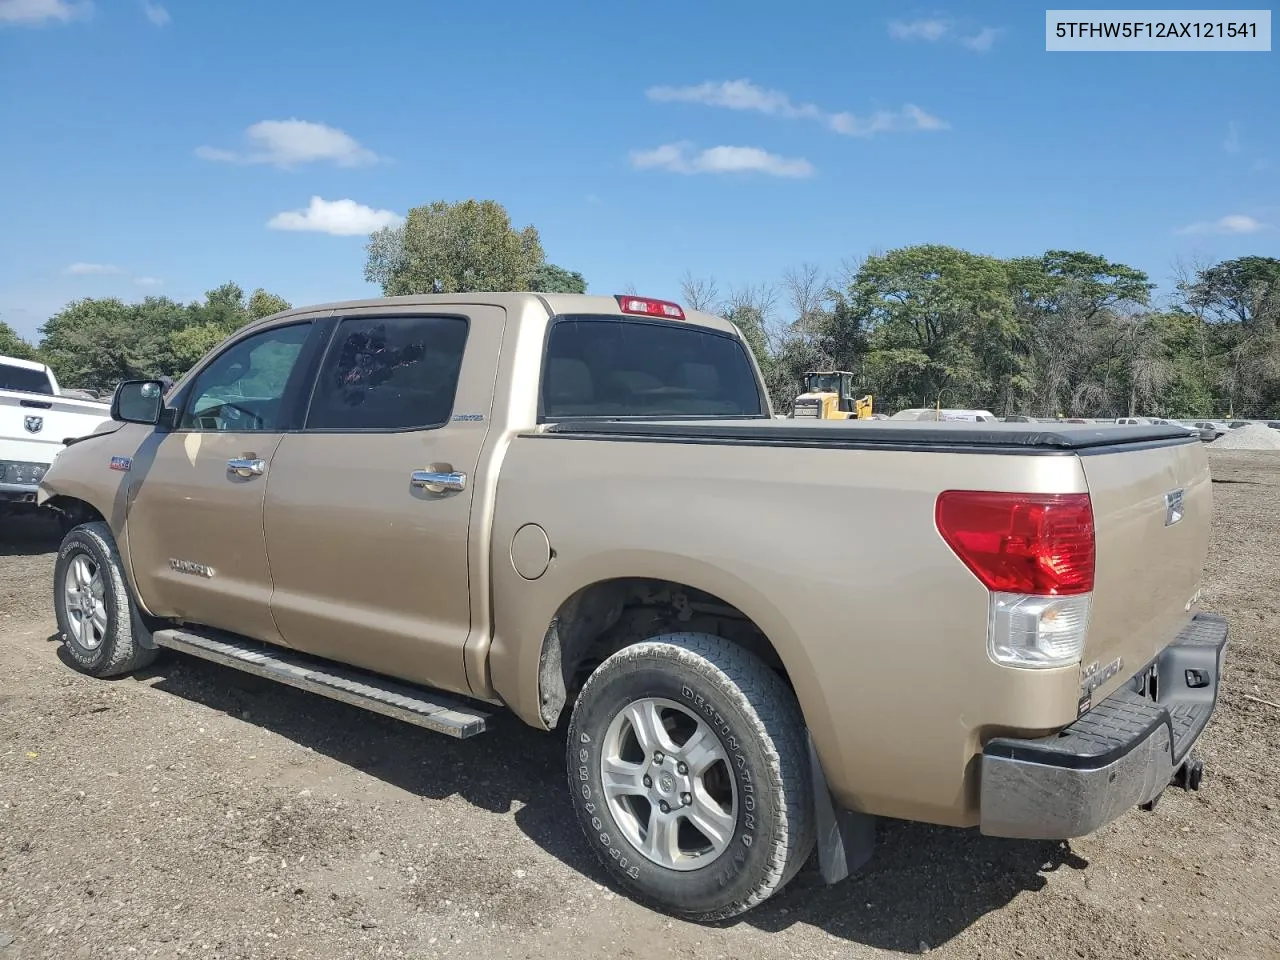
column 607, row 367
column 24, row 380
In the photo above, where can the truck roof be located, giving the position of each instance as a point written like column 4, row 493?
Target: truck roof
column 553, row 303
column 24, row 364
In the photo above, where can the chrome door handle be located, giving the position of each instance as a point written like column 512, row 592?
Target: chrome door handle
column 438, row 482
column 247, row 467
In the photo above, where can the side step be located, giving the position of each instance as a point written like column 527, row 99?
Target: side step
column 413, row 705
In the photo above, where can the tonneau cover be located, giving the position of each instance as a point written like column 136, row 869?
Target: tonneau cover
column 872, row 433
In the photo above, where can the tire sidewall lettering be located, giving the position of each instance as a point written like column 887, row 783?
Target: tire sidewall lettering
column 749, row 823
column 718, row 700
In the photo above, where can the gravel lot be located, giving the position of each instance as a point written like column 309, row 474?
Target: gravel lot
column 194, row 811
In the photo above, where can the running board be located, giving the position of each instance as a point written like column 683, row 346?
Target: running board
column 419, row 707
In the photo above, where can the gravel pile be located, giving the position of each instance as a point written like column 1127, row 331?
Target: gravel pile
column 1252, row 436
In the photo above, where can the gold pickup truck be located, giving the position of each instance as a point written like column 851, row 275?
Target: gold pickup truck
column 758, row 635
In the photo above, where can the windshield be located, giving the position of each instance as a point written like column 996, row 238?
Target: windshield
column 823, row 383
column 24, row 380
column 604, row 366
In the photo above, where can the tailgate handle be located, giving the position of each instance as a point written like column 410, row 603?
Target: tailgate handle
column 37, row 404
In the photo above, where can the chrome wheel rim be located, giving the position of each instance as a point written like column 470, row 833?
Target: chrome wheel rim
column 668, row 784
column 83, row 602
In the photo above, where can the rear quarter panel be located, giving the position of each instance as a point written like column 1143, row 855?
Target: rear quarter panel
column 835, row 556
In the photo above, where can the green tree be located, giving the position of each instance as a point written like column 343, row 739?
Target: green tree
column 549, row 278
column 1238, row 302
column 96, row 342
column 461, row 247
column 264, row 304
column 12, row 345
column 940, row 324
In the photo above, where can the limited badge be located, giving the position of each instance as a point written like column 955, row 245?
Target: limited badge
column 123, row 464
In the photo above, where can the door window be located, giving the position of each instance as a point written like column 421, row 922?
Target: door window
column 389, row 373
column 243, row 388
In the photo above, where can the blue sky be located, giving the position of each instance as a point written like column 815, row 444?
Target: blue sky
column 166, row 147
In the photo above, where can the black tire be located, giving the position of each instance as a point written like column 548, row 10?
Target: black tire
column 758, row 724
column 120, row 649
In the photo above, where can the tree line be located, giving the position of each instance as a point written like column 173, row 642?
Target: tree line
column 1064, row 333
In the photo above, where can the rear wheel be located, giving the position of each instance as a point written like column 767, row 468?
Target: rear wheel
column 690, row 777
column 100, row 626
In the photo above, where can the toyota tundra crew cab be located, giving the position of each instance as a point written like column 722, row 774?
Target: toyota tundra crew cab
column 758, row 635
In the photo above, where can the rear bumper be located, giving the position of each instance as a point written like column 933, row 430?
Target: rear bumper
column 1120, row 754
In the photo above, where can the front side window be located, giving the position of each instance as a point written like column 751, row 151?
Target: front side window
column 389, row 373
column 244, row 387
column 606, row 367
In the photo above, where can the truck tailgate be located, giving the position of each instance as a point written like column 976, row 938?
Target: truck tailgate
column 34, row 425
column 1152, row 508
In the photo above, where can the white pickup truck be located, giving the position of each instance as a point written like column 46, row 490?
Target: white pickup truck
column 35, row 417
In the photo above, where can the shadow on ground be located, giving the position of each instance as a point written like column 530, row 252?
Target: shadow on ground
column 924, row 885
column 26, row 533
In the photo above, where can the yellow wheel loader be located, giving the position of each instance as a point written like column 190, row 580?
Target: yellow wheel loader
column 828, row 395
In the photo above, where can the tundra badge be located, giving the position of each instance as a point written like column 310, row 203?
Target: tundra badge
column 1172, row 507
column 188, row 566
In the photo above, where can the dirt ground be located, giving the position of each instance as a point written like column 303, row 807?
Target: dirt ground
column 197, row 812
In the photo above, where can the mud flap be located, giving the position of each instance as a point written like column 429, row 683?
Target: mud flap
column 846, row 839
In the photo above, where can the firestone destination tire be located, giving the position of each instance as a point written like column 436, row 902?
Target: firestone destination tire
column 690, row 776
column 99, row 624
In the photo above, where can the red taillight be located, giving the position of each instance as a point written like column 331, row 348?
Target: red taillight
column 649, row 307
column 1029, row 543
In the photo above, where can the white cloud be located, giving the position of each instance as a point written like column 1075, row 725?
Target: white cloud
column 933, row 29
column 155, row 13
column 910, row 117
column 929, row 29
column 683, row 158
column 735, row 95
column 745, row 95
column 1232, row 143
column 148, row 281
column 40, row 11
column 288, row 143
column 342, row 218
column 94, row 269
column 1235, row 223
column 983, row 40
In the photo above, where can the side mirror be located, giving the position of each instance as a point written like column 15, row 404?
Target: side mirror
column 138, row 401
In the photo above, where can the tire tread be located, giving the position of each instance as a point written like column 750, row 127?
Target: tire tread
column 771, row 707
column 124, row 654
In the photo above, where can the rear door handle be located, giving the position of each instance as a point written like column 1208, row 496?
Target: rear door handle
column 247, row 467
column 438, row 482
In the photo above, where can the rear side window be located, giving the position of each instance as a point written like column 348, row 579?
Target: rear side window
column 24, row 380
column 606, row 367
column 389, row 373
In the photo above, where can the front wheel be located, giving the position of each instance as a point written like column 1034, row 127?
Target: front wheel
column 690, row 776
column 100, row 626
